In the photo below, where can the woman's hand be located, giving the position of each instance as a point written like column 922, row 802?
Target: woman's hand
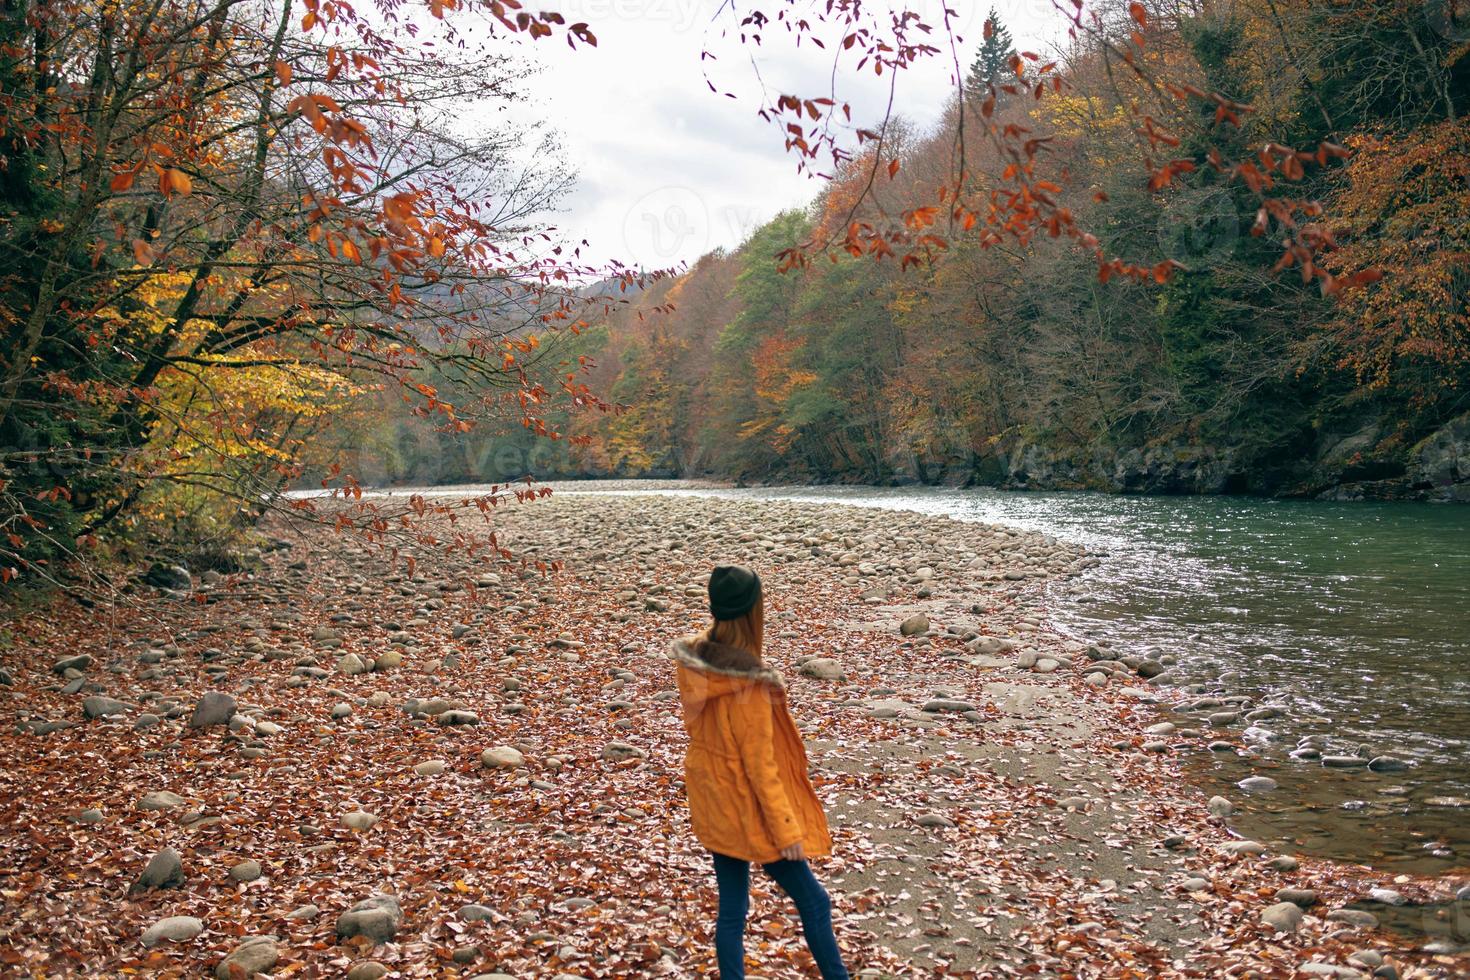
column 793, row 853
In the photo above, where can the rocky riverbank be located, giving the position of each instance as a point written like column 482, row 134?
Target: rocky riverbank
column 331, row 767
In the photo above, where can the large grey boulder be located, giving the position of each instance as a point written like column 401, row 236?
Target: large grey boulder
column 376, row 917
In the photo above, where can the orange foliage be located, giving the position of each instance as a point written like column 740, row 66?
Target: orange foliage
column 1407, row 197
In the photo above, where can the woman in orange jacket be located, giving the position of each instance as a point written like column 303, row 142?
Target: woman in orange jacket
column 745, row 774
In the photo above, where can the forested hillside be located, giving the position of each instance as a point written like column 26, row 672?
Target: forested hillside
column 1205, row 246
column 1017, row 364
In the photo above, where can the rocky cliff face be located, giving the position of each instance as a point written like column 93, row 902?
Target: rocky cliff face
column 1170, row 468
column 1343, row 465
column 1439, row 466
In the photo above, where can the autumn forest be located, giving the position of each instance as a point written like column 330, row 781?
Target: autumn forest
column 403, row 576
column 1015, row 364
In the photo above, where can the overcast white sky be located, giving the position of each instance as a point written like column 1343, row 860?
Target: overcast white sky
column 667, row 169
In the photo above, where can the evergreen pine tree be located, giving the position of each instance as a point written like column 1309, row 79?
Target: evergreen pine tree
column 992, row 64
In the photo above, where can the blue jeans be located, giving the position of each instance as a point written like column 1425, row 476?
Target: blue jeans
column 798, row 882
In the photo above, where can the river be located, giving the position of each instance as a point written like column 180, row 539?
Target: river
column 1356, row 616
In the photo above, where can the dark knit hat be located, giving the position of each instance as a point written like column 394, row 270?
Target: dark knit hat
column 733, row 590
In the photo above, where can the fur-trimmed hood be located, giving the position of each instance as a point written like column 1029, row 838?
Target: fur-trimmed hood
column 719, row 661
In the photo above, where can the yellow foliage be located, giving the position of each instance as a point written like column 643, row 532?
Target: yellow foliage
column 221, row 416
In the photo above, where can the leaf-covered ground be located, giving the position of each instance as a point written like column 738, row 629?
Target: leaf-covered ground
column 1023, row 831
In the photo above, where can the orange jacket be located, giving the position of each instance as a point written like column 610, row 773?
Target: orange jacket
column 745, row 772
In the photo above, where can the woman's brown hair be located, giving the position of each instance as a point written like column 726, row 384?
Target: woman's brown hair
column 746, row 632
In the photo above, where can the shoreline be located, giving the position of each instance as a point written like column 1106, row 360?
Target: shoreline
column 1363, row 811
column 986, row 814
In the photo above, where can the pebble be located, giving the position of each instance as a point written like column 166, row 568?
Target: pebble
column 164, row 870
column 359, row 820
column 1305, row 897
column 620, row 751
column 502, row 757
column 476, row 913
column 1195, row 884
column 341, row 710
column 246, row 871
column 457, row 716
column 1453, row 802
column 79, row 662
column 376, row 917
column 176, row 929
column 255, row 955
column 367, row 971
column 1283, row 917
column 430, row 767
column 1257, row 784
column 934, row 820
column 1321, row 968
column 1387, row 896
column 213, row 708
column 914, row 625
column 1357, row 918
column 98, row 706
column 936, row 705
column 1220, row 807
column 822, row 669
column 351, row 664
column 1387, row 763
column 161, row 800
